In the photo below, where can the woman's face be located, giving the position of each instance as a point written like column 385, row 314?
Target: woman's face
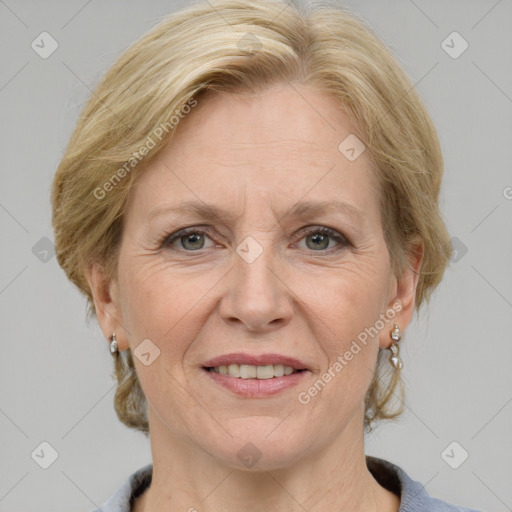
column 294, row 265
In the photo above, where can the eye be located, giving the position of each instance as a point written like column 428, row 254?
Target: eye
column 190, row 239
column 320, row 238
column 317, row 239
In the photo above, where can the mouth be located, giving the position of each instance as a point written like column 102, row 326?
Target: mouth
column 242, row 365
column 249, row 371
column 255, row 376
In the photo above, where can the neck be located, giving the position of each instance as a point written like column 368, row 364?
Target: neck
column 337, row 478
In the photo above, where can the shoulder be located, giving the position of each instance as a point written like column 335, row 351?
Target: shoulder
column 122, row 499
column 413, row 495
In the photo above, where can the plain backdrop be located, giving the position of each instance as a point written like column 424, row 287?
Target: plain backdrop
column 55, row 370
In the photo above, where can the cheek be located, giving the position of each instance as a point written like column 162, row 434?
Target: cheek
column 353, row 296
column 166, row 305
column 348, row 323
column 150, row 294
column 167, row 308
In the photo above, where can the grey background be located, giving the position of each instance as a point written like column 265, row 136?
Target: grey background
column 55, row 382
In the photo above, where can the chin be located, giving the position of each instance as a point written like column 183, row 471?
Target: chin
column 260, row 444
column 255, row 458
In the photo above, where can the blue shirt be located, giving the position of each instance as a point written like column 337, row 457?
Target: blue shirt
column 413, row 496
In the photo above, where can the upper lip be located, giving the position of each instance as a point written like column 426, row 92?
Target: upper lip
column 256, row 360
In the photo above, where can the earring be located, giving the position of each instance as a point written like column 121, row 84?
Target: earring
column 113, row 344
column 395, row 357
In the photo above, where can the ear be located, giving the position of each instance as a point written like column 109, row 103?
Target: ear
column 403, row 293
column 106, row 302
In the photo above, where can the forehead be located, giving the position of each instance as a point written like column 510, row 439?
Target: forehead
column 298, row 119
column 276, row 146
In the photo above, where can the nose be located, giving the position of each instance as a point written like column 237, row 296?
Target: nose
column 258, row 295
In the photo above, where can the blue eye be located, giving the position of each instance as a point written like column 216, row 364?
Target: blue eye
column 321, row 237
column 191, row 239
column 318, row 239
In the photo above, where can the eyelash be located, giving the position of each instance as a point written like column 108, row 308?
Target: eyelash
column 342, row 241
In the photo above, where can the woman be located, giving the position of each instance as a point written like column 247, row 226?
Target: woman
column 249, row 203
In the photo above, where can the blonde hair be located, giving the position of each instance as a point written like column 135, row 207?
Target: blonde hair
column 235, row 46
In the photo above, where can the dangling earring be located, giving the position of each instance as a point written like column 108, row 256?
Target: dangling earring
column 113, row 344
column 395, row 357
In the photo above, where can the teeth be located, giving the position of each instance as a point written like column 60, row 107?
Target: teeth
column 249, row 371
column 279, row 370
column 234, row 370
column 265, row 372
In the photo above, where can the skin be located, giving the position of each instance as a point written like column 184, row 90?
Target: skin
column 256, row 155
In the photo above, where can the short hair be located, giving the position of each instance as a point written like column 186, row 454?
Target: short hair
column 237, row 46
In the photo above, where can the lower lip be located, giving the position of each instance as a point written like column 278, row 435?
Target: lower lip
column 257, row 388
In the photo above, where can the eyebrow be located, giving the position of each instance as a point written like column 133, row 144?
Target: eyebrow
column 299, row 210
